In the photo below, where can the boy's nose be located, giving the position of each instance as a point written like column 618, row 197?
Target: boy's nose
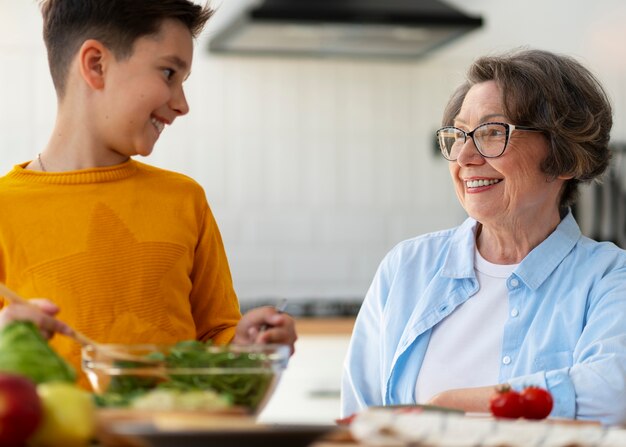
column 178, row 103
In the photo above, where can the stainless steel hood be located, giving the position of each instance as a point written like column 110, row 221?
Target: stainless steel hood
column 361, row 28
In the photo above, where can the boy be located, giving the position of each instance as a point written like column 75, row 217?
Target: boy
column 129, row 253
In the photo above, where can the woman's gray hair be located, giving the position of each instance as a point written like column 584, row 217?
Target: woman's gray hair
column 558, row 95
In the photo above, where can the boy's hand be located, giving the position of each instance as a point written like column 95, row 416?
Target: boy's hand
column 40, row 311
column 266, row 325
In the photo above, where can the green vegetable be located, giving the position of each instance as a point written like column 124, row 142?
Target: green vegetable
column 246, row 388
column 24, row 351
column 115, row 399
column 168, row 399
column 131, row 384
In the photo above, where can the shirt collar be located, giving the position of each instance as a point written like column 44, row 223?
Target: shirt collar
column 459, row 261
column 539, row 264
column 534, row 268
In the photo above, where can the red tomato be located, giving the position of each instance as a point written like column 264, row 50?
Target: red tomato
column 537, row 402
column 345, row 421
column 506, row 403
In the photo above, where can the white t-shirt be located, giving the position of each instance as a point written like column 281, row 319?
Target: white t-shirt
column 465, row 347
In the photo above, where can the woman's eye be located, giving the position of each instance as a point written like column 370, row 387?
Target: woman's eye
column 491, row 133
column 169, row 73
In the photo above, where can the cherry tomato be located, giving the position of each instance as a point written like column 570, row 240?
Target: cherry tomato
column 506, row 403
column 345, row 421
column 537, row 402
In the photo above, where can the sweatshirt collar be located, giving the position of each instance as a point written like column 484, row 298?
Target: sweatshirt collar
column 81, row 176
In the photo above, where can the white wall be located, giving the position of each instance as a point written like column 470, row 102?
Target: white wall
column 315, row 168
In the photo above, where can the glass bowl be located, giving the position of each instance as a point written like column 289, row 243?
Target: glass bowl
column 185, row 376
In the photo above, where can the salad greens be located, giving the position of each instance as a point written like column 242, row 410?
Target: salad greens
column 168, row 399
column 246, row 387
column 24, row 351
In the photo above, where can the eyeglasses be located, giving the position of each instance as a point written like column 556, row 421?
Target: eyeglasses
column 490, row 139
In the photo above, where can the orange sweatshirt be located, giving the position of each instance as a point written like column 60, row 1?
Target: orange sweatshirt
column 130, row 253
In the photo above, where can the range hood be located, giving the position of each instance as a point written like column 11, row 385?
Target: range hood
column 361, row 28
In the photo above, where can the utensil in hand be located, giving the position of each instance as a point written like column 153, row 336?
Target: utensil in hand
column 15, row 298
column 280, row 308
column 81, row 338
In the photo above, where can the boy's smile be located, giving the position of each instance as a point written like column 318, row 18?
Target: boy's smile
column 158, row 124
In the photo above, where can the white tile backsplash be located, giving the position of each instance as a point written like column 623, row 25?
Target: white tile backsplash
column 313, row 266
column 314, row 168
column 351, row 227
column 278, row 227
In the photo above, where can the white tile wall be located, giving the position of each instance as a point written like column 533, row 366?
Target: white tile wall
column 316, row 168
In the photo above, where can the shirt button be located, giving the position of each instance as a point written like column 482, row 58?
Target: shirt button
column 506, row 359
column 514, row 282
column 514, row 313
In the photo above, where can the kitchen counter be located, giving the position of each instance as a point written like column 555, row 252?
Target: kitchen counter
column 325, row 326
column 308, row 392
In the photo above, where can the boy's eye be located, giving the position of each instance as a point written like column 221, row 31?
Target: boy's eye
column 169, row 73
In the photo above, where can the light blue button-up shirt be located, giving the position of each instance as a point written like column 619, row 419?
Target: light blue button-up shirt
column 566, row 330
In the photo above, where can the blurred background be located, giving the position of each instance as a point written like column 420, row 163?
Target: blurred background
column 317, row 164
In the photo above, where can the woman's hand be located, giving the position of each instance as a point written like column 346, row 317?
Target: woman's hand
column 266, row 325
column 40, row 311
column 474, row 400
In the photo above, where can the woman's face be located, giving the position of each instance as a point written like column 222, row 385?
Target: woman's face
column 515, row 188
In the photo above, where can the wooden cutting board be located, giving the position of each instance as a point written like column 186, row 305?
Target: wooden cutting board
column 183, row 420
column 107, row 418
column 113, row 429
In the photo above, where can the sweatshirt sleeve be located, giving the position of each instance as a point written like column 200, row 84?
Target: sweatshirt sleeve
column 214, row 304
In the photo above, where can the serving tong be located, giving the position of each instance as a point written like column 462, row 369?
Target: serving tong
column 14, row 298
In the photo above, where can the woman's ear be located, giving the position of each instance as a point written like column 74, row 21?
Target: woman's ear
column 93, row 57
column 566, row 177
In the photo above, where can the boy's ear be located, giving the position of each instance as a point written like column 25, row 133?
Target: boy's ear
column 93, row 57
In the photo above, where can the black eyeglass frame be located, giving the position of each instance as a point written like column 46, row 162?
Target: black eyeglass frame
column 509, row 131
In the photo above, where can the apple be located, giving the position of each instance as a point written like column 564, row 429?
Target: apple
column 21, row 411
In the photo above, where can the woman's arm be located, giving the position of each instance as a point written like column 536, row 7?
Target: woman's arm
column 361, row 382
column 594, row 386
column 474, row 400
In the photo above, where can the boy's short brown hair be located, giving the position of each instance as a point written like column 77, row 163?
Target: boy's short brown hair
column 115, row 23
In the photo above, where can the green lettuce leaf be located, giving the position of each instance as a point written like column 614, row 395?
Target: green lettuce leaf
column 24, row 351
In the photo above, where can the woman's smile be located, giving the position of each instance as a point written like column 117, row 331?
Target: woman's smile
column 475, row 185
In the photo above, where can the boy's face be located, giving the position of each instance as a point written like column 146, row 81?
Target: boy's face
column 144, row 92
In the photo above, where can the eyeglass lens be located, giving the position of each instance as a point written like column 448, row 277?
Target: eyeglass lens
column 490, row 140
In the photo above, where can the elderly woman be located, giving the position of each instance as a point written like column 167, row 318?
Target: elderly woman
column 516, row 294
